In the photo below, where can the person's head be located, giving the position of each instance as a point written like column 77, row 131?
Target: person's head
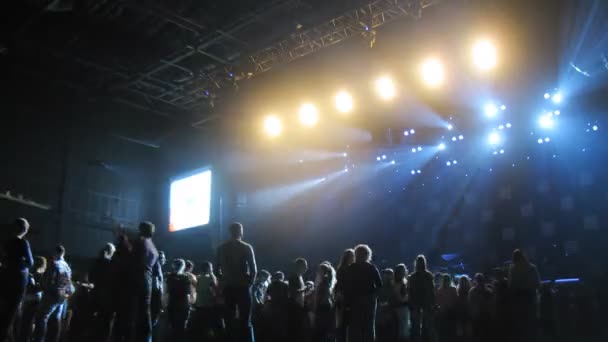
column 207, row 267
column 21, row 226
column 519, row 257
column 59, row 252
column 420, row 264
column 363, row 253
column 446, row 281
column 179, row 265
column 162, row 258
column 400, row 273
column 146, row 229
column 40, row 264
column 464, row 285
column 300, row 266
column 480, row 280
column 263, row 277
column 108, row 250
column 348, row 257
column 278, row 276
column 236, row 231
column 189, row 266
column 388, row 276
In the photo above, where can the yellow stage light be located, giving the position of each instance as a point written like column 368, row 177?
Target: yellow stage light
column 309, row 116
column 433, row 73
column 344, row 102
column 385, row 88
column 484, row 55
column 273, row 126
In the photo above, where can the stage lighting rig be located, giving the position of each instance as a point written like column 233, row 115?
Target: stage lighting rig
column 308, row 114
column 484, row 55
column 273, row 126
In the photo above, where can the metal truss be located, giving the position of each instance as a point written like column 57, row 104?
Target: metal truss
column 360, row 21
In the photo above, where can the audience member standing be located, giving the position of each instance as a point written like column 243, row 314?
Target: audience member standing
column 33, row 298
column 422, row 300
column 480, row 304
column 15, row 275
column 463, row 319
column 277, row 298
column 323, row 305
column 361, row 288
column 297, row 316
column 348, row 258
column 158, row 283
column 179, row 289
column 122, row 289
column 101, row 278
column 206, row 321
column 57, row 287
column 236, row 264
column 144, row 257
column 447, row 300
column 524, row 281
column 401, row 303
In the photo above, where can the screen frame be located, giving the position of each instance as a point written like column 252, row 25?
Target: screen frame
column 184, row 175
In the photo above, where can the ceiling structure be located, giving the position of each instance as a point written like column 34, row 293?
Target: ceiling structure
column 179, row 59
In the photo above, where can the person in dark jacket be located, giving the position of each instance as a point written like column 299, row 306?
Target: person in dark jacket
column 422, row 300
column 361, row 293
column 33, row 298
column 100, row 276
column 179, row 289
column 17, row 261
column 144, row 256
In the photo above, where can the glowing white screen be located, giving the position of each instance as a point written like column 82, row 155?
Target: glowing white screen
column 190, row 201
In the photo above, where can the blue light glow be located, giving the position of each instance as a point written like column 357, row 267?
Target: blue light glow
column 454, row 139
column 490, row 110
column 378, row 158
column 413, row 172
column 450, row 127
column 406, row 133
column 547, row 139
column 383, row 156
column 190, row 201
column 418, row 171
column 441, row 147
column 508, row 125
column 494, row 138
column 547, row 96
column 546, row 121
column 419, row 148
column 414, row 149
column 412, row 131
column 540, row 141
column 595, row 128
column 502, row 151
column 460, row 137
column 454, row 162
column 557, row 112
column 392, row 162
column 557, row 98
column 503, row 107
column 448, row 163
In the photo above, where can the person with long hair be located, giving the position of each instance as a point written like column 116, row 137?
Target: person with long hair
column 298, row 322
column 462, row 307
column 17, row 262
column 481, row 304
column 401, row 303
column 347, row 259
column 362, row 284
column 324, row 304
column 447, row 300
column 386, row 323
column 524, row 282
column 422, row 300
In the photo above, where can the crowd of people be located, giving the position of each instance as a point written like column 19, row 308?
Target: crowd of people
column 128, row 294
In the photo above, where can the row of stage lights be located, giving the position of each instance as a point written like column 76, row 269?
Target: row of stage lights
column 432, row 73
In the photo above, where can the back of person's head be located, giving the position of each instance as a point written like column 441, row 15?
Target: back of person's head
column 446, row 281
column 278, row 276
column 108, row 250
column 519, row 257
column 464, row 285
column 263, row 276
column 189, row 266
column 179, row 265
column 348, row 257
column 400, row 273
column 300, row 265
column 480, row 279
column 59, row 252
column 40, row 263
column 236, row 230
column 363, row 253
column 388, row 276
column 20, row 227
column 146, row 229
column 420, row 264
column 207, row 267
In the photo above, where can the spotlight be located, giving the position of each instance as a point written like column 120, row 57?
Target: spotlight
column 484, row 55
column 392, row 162
column 547, row 139
column 547, row 96
column 454, row 139
column 378, row 158
column 508, row 125
column 450, row 127
column 309, row 116
column 419, row 148
column 406, row 133
column 454, row 162
column 412, row 131
column 546, row 121
column 557, row 112
column 501, row 127
column 448, row 163
column 383, row 156
column 344, row 154
column 385, row 88
column 461, row 137
column 414, row 149
column 540, row 141
column 494, row 138
column 490, row 110
column 432, row 72
column 273, row 126
column 595, row 128
column 413, row 172
column 503, row 107
column 418, row 171
column 441, row 147
column 344, row 101
column 557, row 98
column 501, row 151
column 345, row 169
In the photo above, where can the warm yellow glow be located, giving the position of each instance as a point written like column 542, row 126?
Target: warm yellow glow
column 273, row 126
column 309, row 115
column 433, row 73
column 385, row 88
column 344, row 101
column 484, row 55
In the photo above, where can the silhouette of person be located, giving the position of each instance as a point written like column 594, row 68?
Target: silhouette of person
column 17, row 261
column 347, row 259
column 236, row 264
column 179, row 289
column 144, row 257
column 524, row 282
column 33, row 298
column 100, row 276
column 422, row 300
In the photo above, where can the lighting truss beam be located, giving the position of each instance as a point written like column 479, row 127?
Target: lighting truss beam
column 355, row 22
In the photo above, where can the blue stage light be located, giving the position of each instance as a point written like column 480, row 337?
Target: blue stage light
column 448, row 163
column 494, row 138
column 378, row 158
column 557, row 112
column 392, row 162
column 441, row 147
column 454, row 139
column 595, row 128
column 419, row 148
column 490, row 110
column 450, row 127
column 503, row 107
column 501, row 151
column 383, row 156
column 460, row 137
column 546, row 121
column 413, row 172
column 540, row 141
column 414, row 149
column 406, row 133
column 557, row 98
column 501, row 127
column 345, row 169
column 454, row 162
column 547, row 96
column 412, row 131
column 418, row 171
column 547, row 139
column 508, row 125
